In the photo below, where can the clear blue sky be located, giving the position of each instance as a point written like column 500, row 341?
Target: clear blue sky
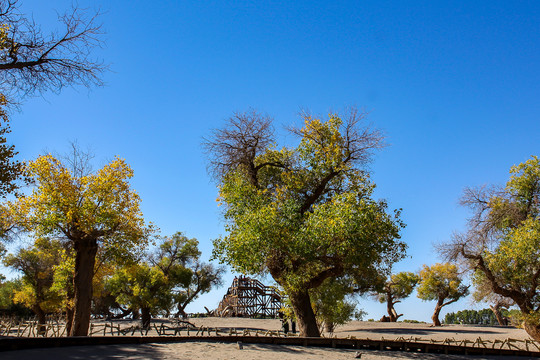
column 454, row 85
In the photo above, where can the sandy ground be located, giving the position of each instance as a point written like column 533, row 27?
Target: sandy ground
column 206, row 350
column 378, row 330
column 217, row 351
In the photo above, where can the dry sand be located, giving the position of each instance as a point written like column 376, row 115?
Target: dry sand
column 378, row 330
column 215, row 351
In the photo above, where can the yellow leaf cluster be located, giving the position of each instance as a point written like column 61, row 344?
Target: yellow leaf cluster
column 99, row 205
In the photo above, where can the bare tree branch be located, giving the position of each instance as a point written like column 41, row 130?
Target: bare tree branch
column 359, row 144
column 244, row 137
column 33, row 63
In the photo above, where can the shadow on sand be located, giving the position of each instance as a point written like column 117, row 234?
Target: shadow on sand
column 412, row 331
column 144, row 351
column 159, row 352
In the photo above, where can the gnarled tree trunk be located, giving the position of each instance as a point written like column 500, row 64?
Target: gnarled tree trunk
column 123, row 314
column 390, row 308
column 435, row 317
column 145, row 317
column 531, row 326
column 305, row 317
column 532, row 329
column 497, row 312
column 329, row 327
column 181, row 312
column 85, row 258
column 69, row 319
column 42, row 319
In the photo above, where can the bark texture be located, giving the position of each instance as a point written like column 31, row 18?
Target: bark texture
column 329, row 327
column 305, row 317
column 42, row 320
column 533, row 330
column 69, row 319
column 392, row 313
column 497, row 312
column 145, row 317
column 85, row 258
column 435, row 317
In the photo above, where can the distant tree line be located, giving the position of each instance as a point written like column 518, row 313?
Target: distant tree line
column 471, row 317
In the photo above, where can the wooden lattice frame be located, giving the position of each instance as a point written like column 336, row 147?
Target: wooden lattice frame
column 249, row 297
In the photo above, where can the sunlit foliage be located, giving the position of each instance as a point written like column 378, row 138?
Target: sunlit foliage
column 502, row 243
column 442, row 283
column 302, row 214
column 37, row 264
column 88, row 210
column 394, row 289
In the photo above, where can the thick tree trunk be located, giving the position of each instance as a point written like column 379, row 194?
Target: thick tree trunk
column 42, row 319
column 390, row 309
column 329, row 327
column 145, row 317
column 69, row 320
column 85, row 258
column 305, row 316
column 533, row 330
column 497, row 312
column 181, row 311
column 435, row 317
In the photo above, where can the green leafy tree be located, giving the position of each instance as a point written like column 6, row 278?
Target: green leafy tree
column 472, row 317
column 303, row 214
column 396, row 288
column 442, row 283
column 503, row 240
column 483, row 293
column 10, row 169
column 204, row 277
column 179, row 258
column 63, row 284
column 172, row 275
column 8, row 289
column 87, row 210
column 144, row 287
column 333, row 303
column 37, row 266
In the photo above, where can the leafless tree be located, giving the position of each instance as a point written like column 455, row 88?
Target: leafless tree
column 32, row 62
column 78, row 160
column 244, row 136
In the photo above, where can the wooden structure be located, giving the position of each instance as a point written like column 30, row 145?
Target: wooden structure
column 249, row 297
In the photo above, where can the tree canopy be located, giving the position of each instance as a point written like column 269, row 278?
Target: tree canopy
column 474, row 317
column 502, row 242
column 173, row 275
column 442, row 283
column 394, row 289
column 302, row 214
column 10, row 169
column 37, row 264
column 86, row 210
